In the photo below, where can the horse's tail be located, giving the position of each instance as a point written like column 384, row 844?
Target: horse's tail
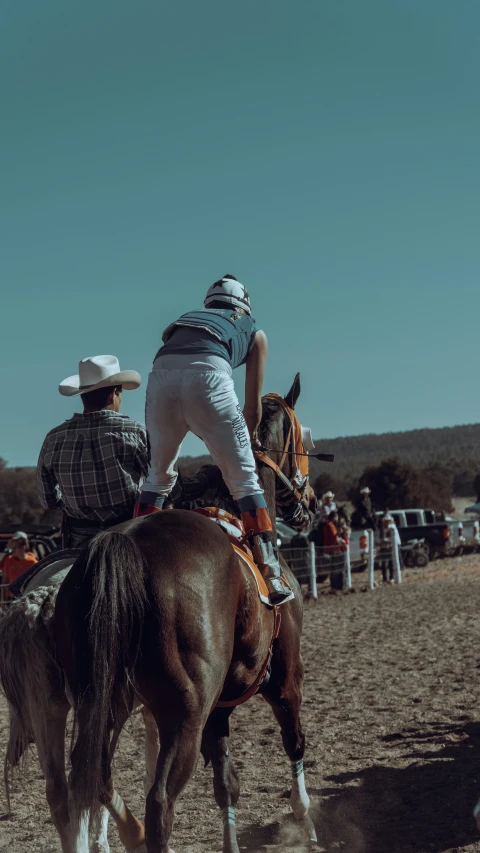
column 108, row 613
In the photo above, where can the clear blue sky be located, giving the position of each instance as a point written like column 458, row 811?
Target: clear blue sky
column 326, row 152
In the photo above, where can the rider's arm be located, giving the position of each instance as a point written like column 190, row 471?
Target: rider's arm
column 254, row 382
column 47, row 488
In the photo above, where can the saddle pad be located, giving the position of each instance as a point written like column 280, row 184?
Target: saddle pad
column 258, row 577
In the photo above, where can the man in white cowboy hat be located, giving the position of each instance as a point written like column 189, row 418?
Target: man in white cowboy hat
column 92, row 465
column 328, row 506
column 363, row 517
column 191, row 389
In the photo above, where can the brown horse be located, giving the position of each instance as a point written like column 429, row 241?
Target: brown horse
column 162, row 610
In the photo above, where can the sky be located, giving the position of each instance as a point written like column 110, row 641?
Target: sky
column 326, row 152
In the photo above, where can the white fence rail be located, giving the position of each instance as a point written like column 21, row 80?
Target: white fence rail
column 313, row 564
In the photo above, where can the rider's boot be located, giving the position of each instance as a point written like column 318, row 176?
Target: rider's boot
column 147, row 503
column 257, row 523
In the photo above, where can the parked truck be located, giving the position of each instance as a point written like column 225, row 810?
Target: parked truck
column 424, row 524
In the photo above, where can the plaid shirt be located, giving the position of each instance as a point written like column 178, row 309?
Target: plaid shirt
column 92, row 465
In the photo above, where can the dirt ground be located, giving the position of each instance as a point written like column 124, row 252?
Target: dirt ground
column 393, row 734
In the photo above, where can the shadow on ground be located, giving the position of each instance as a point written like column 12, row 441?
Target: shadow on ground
column 425, row 806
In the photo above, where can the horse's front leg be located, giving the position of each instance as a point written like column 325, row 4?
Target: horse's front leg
column 215, row 748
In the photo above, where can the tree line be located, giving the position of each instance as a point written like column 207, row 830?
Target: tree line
column 422, row 468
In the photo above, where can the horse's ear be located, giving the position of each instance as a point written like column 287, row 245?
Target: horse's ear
column 294, row 393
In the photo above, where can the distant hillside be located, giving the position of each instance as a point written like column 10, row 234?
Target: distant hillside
column 456, row 449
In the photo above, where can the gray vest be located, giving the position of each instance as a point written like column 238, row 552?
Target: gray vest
column 222, row 332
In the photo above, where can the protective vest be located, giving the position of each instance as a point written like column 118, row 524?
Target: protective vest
column 223, row 332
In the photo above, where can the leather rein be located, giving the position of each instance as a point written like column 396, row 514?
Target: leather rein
column 289, row 449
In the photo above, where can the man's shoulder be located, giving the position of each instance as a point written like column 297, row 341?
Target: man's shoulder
column 124, row 422
column 61, row 428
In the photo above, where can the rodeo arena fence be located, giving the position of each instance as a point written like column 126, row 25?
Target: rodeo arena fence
column 315, row 564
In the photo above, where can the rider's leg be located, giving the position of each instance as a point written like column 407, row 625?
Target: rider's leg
column 213, row 412
column 166, row 430
column 257, row 520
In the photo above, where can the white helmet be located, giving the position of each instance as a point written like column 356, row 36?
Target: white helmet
column 229, row 290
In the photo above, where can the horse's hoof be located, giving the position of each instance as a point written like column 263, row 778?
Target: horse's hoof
column 310, row 827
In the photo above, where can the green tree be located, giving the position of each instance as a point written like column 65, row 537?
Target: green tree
column 398, row 485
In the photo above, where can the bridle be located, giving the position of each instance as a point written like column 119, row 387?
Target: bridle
column 290, row 493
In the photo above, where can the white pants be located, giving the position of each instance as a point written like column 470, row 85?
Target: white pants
column 203, row 402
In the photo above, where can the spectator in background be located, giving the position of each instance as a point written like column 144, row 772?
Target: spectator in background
column 343, row 526
column 333, row 543
column 328, row 506
column 17, row 557
column 363, row 517
column 299, row 541
column 299, row 559
column 389, row 539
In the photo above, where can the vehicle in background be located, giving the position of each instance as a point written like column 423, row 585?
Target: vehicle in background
column 457, row 538
column 358, row 550
column 473, row 509
column 284, row 533
column 415, row 554
column 471, row 532
column 465, row 534
column 424, row 524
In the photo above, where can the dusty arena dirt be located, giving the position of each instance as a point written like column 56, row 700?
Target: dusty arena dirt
column 392, row 720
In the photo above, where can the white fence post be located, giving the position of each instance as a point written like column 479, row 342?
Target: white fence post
column 313, row 571
column 371, row 559
column 397, row 572
column 348, row 568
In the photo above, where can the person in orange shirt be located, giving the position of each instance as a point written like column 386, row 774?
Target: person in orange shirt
column 17, row 558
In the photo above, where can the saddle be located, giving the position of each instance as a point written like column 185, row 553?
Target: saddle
column 42, row 571
column 236, row 533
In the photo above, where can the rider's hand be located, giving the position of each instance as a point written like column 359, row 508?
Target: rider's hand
column 253, row 416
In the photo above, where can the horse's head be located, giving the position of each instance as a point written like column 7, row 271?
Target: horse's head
column 282, row 443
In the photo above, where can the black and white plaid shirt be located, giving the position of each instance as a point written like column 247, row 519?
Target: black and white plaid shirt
column 92, row 465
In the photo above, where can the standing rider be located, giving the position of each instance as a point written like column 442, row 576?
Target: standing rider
column 91, row 466
column 191, row 389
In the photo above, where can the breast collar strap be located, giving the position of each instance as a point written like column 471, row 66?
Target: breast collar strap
column 262, row 457
column 298, row 483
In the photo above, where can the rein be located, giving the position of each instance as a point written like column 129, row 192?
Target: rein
column 290, row 489
column 259, row 454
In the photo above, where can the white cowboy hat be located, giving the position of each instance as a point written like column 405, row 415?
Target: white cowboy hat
column 328, row 495
column 365, row 491
column 307, row 439
column 99, row 371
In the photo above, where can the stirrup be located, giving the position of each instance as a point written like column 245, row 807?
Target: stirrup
column 278, row 592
